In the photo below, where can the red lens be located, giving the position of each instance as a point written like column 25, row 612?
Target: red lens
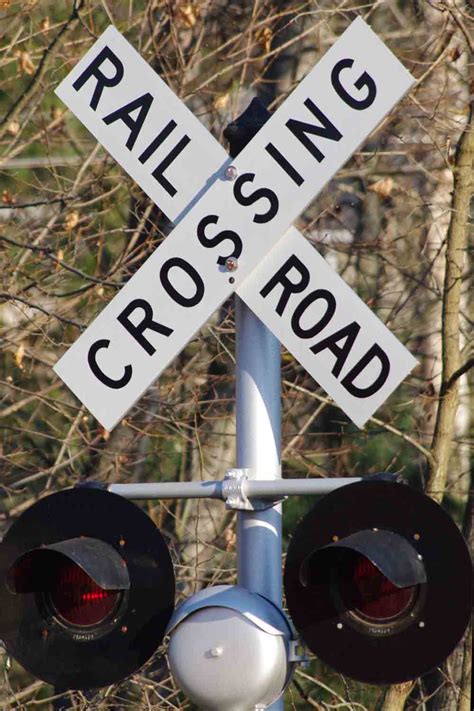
column 77, row 599
column 367, row 591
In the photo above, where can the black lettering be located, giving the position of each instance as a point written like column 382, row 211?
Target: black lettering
column 365, row 80
column 255, row 196
column 147, row 323
column 166, row 162
column 99, row 374
column 219, row 237
column 94, row 70
column 349, row 334
column 289, row 287
column 300, row 129
column 284, row 163
column 123, row 114
column 323, row 321
column 348, row 381
column 157, row 141
column 191, row 272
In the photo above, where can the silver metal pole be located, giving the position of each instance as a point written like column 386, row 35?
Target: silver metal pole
column 258, row 414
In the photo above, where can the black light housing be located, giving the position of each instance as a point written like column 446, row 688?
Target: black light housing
column 86, row 589
column 378, row 581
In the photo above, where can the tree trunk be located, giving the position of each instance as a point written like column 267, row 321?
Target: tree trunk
column 396, row 696
column 453, row 668
column 455, row 259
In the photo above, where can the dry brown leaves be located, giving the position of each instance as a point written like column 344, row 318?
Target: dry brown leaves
column 187, row 13
column 382, row 187
column 25, row 62
column 264, row 38
column 8, row 198
column 13, row 128
column 221, row 102
column 71, row 220
column 19, row 355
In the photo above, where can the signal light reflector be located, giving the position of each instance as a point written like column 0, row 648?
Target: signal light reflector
column 368, row 593
column 86, row 588
column 378, row 582
column 77, row 599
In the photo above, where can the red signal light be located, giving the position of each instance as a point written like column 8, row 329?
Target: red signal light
column 74, row 610
column 368, row 593
column 378, row 582
column 76, row 599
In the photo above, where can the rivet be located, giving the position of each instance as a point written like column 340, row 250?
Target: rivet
column 335, row 538
column 215, row 651
column 230, row 172
column 231, row 264
column 231, row 280
column 416, row 536
column 419, row 556
column 122, row 542
column 339, row 625
column 124, row 629
column 375, row 529
column 421, row 624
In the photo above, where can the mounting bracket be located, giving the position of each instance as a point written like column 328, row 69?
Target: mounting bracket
column 235, row 496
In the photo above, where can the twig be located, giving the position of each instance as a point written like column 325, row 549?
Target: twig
column 40, row 71
column 375, row 420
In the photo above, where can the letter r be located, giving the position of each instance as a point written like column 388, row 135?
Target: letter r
column 289, row 287
column 94, row 70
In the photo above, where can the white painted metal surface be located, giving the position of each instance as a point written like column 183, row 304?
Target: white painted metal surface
column 160, row 125
column 303, row 144
column 324, row 324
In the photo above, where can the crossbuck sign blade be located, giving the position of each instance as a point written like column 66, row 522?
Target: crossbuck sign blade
column 169, row 153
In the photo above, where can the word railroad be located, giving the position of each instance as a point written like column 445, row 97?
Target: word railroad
column 233, row 225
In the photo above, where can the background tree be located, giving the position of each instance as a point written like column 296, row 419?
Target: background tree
column 73, row 228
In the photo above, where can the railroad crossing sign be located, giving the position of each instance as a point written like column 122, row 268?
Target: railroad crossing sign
column 235, row 213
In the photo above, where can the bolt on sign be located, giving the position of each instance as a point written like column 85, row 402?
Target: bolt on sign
column 232, row 214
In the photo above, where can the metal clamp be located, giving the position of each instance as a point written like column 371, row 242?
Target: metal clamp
column 297, row 653
column 234, row 492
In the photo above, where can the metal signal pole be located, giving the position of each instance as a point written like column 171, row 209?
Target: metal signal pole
column 258, row 415
column 258, row 411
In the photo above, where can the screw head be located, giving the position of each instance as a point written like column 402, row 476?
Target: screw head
column 230, row 172
column 231, row 264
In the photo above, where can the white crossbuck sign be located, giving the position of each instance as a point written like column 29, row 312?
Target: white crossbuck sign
column 244, row 213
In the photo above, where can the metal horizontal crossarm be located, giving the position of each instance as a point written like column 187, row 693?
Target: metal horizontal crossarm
column 260, row 489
